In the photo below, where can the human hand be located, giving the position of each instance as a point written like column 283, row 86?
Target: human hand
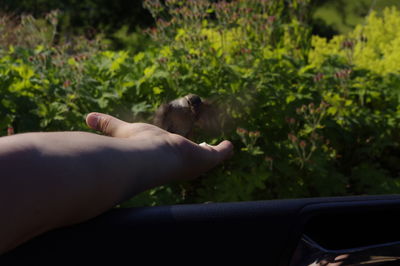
column 56, row 179
column 174, row 157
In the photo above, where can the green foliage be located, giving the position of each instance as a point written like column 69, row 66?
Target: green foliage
column 85, row 16
column 343, row 15
column 307, row 117
column 26, row 31
column 120, row 21
column 373, row 46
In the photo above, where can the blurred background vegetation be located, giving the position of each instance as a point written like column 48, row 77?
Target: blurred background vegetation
column 332, row 17
column 119, row 20
column 329, row 16
column 309, row 90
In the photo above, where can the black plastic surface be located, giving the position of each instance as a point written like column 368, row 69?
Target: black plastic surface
column 246, row 233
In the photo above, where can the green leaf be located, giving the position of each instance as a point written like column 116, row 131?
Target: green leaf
column 157, row 90
column 149, row 71
column 71, row 61
column 138, row 57
column 332, row 110
column 290, row 98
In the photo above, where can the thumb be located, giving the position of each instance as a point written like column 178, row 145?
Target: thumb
column 213, row 155
column 224, row 150
column 108, row 125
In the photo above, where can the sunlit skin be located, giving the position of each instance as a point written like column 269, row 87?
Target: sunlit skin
column 51, row 180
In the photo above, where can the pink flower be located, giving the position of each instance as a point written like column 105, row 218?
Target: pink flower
column 318, row 77
column 10, row 131
column 271, row 19
column 67, row 83
column 241, row 131
column 292, row 138
column 343, row 74
column 254, row 134
column 303, row 144
column 347, row 44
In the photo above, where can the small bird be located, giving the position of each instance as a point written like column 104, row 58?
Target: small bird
column 181, row 115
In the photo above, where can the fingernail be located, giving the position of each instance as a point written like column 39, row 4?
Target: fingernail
column 93, row 120
column 204, row 144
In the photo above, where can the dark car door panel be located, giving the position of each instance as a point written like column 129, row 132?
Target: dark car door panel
column 274, row 232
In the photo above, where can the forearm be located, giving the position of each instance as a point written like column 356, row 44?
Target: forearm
column 50, row 180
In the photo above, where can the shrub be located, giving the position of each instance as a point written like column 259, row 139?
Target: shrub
column 307, row 118
column 372, row 46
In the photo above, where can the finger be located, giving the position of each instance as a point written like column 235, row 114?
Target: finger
column 224, row 151
column 109, row 125
column 199, row 158
column 221, row 152
column 209, row 156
